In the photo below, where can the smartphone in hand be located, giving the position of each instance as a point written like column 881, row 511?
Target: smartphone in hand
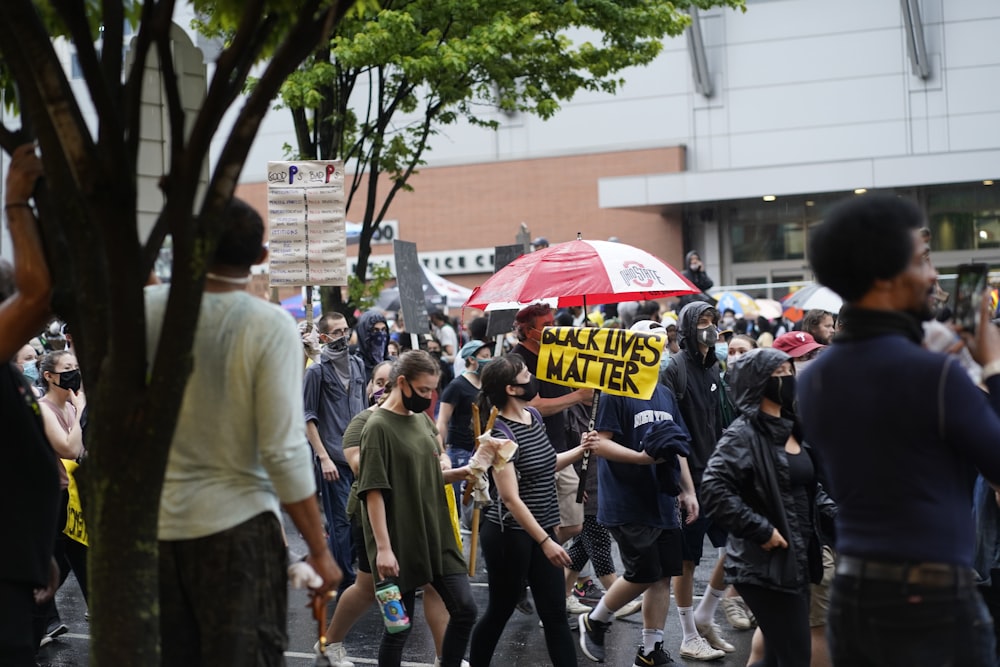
column 969, row 290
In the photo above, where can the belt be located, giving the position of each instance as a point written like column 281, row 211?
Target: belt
column 929, row 575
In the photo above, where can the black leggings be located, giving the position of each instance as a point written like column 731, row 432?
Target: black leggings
column 511, row 558
column 593, row 544
column 784, row 620
column 457, row 596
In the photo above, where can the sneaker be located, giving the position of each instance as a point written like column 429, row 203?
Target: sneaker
column 574, row 606
column 437, row 662
column 711, row 633
column 655, row 658
column 588, row 591
column 630, row 608
column 697, row 648
column 55, row 629
column 335, row 653
column 736, row 614
column 592, row 637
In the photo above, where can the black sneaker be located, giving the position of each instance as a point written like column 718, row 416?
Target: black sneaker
column 655, row 658
column 592, row 637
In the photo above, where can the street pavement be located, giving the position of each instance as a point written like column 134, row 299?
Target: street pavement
column 522, row 643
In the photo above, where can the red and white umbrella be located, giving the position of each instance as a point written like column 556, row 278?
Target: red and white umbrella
column 579, row 273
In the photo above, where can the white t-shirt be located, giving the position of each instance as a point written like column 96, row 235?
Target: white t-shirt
column 240, row 446
column 446, row 336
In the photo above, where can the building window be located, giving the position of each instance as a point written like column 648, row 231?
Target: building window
column 964, row 217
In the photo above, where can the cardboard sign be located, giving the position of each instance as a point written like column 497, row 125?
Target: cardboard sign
column 305, row 214
column 410, row 280
column 616, row 361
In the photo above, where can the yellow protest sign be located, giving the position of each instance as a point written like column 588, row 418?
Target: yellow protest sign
column 75, row 528
column 616, row 361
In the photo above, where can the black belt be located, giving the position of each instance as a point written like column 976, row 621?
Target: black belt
column 930, row 575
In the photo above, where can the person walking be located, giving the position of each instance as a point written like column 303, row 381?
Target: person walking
column 517, row 537
column 761, row 485
column 405, row 515
column 902, row 431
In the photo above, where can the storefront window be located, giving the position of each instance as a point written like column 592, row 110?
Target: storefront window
column 964, row 217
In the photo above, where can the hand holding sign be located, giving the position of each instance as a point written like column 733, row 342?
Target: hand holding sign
column 620, row 362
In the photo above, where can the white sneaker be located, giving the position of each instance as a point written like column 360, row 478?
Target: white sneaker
column 697, row 648
column 712, row 634
column 574, row 606
column 736, row 614
column 630, row 608
column 437, row 662
column 335, row 653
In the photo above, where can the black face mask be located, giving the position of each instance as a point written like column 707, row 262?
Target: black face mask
column 530, row 389
column 781, row 390
column 414, row 402
column 337, row 344
column 71, row 380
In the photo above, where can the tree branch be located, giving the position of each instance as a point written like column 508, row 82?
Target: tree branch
column 175, row 109
column 151, row 23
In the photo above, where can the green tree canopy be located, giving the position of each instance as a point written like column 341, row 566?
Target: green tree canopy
column 388, row 81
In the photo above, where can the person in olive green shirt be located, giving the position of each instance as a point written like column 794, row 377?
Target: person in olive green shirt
column 405, row 515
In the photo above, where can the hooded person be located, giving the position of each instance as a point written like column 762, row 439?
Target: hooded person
column 373, row 340
column 694, row 271
column 762, row 485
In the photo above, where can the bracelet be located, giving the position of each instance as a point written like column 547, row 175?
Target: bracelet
column 547, row 538
column 991, row 369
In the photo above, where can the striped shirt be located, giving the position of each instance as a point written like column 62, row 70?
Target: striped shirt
column 535, row 463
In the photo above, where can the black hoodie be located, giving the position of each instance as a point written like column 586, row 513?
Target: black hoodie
column 700, row 403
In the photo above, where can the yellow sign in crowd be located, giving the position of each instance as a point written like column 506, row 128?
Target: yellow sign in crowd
column 616, row 361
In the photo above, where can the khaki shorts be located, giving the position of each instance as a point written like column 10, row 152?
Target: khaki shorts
column 819, row 602
column 567, row 483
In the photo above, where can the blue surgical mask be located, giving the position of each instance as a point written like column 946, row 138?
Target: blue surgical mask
column 481, row 364
column 664, row 361
column 722, row 351
column 30, row 370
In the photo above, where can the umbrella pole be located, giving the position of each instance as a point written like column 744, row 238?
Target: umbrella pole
column 585, row 466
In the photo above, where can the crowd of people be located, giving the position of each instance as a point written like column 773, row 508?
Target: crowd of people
column 831, row 462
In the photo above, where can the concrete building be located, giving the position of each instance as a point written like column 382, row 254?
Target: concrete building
column 733, row 142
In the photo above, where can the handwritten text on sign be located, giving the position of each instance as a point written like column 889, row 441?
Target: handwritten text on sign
column 615, row 361
column 305, row 213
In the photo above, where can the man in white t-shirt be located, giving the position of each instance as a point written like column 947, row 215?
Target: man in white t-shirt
column 446, row 334
column 239, row 454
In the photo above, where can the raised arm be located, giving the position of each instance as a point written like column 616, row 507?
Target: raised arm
column 23, row 313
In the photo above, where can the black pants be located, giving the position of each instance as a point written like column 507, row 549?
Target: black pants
column 511, row 558
column 784, row 620
column 20, row 629
column 69, row 555
column 457, row 596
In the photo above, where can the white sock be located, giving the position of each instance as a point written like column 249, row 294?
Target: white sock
column 687, row 623
column 602, row 613
column 650, row 638
column 705, row 613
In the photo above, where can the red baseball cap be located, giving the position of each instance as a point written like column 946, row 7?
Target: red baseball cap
column 796, row 343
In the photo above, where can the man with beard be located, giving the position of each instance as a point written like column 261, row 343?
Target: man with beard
column 333, row 392
column 902, row 430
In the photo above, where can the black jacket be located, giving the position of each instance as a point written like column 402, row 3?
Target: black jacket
column 746, row 488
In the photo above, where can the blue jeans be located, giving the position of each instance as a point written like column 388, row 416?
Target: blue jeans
column 884, row 624
column 459, row 458
column 333, row 499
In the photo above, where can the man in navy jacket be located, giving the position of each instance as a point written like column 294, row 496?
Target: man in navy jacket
column 902, row 431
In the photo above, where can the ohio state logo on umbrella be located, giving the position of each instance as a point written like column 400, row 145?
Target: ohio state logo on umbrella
column 637, row 274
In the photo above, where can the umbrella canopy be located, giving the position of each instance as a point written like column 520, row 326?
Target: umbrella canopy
column 438, row 292
column 769, row 309
column 582, row 272
column 293, row 304
column 814, row 296
column 740, row 303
